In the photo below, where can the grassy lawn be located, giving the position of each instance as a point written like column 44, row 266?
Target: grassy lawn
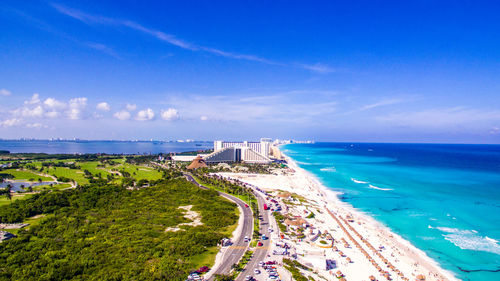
column 17, row 196
column 73, row 174
column 25, row 175
column 139, row 172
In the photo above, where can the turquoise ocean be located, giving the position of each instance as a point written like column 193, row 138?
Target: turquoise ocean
column 443, row 198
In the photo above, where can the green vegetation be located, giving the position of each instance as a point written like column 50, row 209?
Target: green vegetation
column 311, row 215
column 25, row 175
column 279, row 220
column 293, row 266
column 242, row 263
column 107, row 232
column 223, row 277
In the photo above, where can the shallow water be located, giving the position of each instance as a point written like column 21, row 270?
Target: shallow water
column 17, row 185
column 109, row 147
column 444, row 199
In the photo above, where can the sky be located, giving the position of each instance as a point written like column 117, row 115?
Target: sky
column 368, row 71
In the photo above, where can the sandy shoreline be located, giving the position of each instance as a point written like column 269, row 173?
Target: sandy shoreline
column 398, row 251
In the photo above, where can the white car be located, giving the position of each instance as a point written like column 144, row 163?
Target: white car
column 256, row 271
column 246, row 239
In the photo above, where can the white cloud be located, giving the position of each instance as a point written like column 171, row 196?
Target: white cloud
column 203, row 118
column 36, row 125
column 53, row 103
column 443, row 117
column 294, row 107
column 173, row 40
column 11, row 122
column 104, row 106
column 131, row 107
column 122, row 115
column 495, row 131
column 145, row 115
column 382, row 103
column 34, row 99
column 5, row 92
column 36, row 111
column 76, row 107
column 318, row 67
column 170, row 114
column 53, row 114
column 78, row 103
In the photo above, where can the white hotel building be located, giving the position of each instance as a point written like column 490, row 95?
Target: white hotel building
column 247, row 152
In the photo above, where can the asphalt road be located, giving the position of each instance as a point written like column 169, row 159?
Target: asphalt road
column 261, row 252
column 234, row 252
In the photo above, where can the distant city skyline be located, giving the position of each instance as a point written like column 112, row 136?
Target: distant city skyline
column 349, row 71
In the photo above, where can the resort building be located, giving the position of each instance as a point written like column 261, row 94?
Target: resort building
column 248, row 152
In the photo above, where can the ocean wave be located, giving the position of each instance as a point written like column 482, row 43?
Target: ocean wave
column 358, row 181
column 328, row 169
column 470, row 240
column 378, row 188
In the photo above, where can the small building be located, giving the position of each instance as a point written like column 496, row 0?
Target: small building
column 197, row 163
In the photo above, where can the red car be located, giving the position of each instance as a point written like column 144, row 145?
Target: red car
column 260, row 244
column 246, row 205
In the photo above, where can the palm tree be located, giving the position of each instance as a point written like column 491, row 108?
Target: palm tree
column 8, row 195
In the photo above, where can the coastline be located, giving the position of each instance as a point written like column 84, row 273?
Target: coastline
column 407, row 260
column 417, row 254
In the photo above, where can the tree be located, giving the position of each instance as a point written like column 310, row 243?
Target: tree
column 8, row 195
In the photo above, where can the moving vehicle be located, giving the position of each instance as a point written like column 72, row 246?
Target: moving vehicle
column 266, row 207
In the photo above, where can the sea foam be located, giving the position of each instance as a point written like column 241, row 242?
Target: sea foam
column 470, row 240
column 358, row 181
column 378, row 188
column 328, row 169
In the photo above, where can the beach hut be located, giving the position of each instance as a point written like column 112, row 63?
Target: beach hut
column 295, row 223
column 420, row 277
column 197, row 163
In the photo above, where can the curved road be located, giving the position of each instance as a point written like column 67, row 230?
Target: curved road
column 260, row 253
column 234, row 252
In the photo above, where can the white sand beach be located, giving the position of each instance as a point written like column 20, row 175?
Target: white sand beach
column 363, row 247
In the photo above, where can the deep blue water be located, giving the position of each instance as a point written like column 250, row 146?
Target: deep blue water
column 444, row 199
column 109, row 147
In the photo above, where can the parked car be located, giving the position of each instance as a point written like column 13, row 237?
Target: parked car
column 260, row 244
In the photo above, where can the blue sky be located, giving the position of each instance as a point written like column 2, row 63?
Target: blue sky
column 402, row 71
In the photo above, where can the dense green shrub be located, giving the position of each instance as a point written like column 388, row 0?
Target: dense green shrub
column 111, row 233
